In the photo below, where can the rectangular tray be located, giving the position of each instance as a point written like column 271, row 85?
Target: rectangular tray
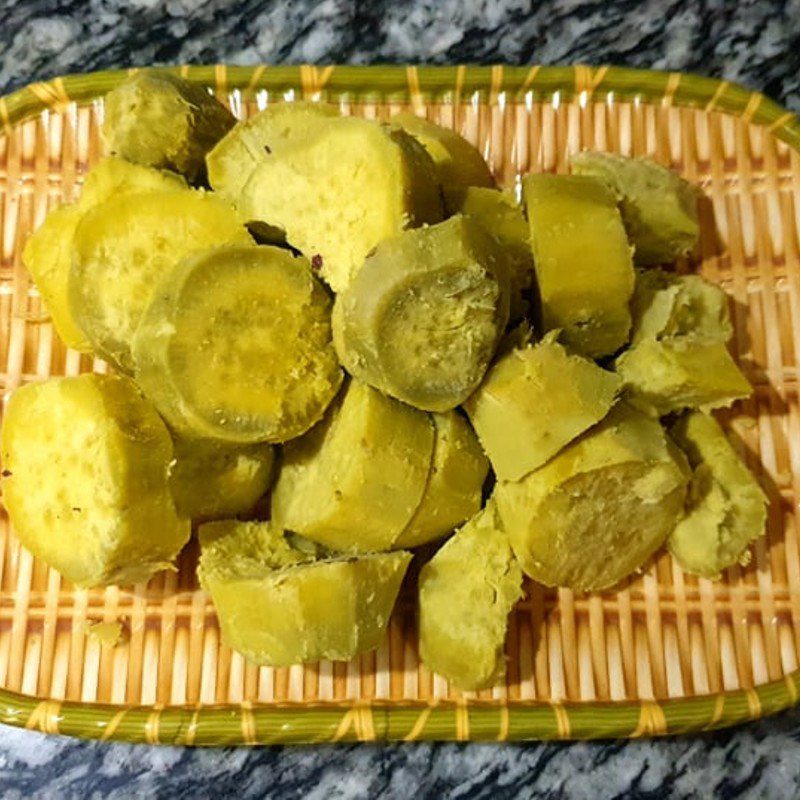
column 666, row 653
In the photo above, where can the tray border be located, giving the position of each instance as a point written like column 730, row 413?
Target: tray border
column 369, row 721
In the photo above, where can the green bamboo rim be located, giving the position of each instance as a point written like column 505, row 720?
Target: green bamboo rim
column 444, row 84
column 381, row 721
column 366, row 721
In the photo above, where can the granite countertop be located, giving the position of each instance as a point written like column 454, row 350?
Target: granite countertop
column 754, row 42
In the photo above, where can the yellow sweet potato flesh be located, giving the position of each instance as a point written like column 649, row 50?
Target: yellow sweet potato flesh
column 583, row 261
column 251, row 142
column 534, row 401
column 458, row 163
column 423, row 317
column 500, row 215
column 160, row 120
column 338, row 195
column 210, row 480
column 236, row 345
column 456, row 479
column 466, row 592
column 666, row 305
column 47, row 256
column 112, row 177
column 599, row 509
column 679, row 373
column 355, row 480
column 124, row 246
column 85, row 479
column 659, row 207
column 48, row 252
column 725, row 506
column 280, row 605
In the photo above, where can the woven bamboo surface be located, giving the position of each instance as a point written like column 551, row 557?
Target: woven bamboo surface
column 663, row 636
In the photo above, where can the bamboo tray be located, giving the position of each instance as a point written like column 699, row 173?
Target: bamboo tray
column 667, row 653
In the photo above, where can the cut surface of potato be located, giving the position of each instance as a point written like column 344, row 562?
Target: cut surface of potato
column 422, row 319
column 500, row 215
column 341, row 193
column 466, row 592
column 123, row 247
column 725, row 506
column 236, row 345
column 48, row 252
column 453, row 494
column 458, row 162
column 280, row 605
column 112, row 177
column 47, row 256
column 106, row 634
column 355, row 480
column 674, row 374
column 535, row 400
column 600, row 508
column 85, row 479
column 659, row 207
column 160, row 120
column 666, row 305
column 252, row 141
column 583, row 261
column 212, row 480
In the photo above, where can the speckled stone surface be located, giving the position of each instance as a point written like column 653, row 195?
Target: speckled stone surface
column 755, row 43
column 757, row 761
